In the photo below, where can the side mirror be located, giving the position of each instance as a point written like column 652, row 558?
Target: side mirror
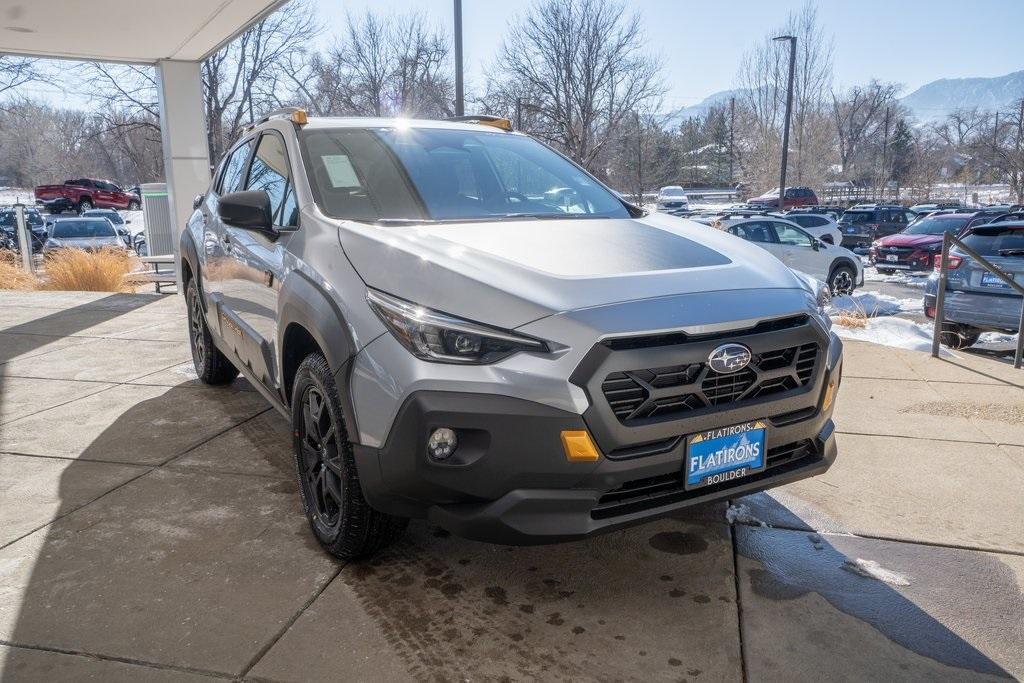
column 816, row 245
column 249, row 210
column 197, row 201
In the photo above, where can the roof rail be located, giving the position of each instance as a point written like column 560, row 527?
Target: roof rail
column 296, row 114
column 484, row 119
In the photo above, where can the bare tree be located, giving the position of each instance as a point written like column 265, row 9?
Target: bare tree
column 858, row 115
column 584, row 65
column 382, row 66
column 18, row 71
column 763, row 78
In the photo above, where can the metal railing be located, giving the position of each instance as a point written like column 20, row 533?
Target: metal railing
column 948, row 240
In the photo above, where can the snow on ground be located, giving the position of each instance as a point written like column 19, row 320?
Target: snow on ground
column 891, row 331
column 872, row 304
column 13, row 195
column 907, row 279
column 136, row 221
column 741, row 514
column 872, row 570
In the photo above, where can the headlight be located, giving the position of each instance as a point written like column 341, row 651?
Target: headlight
column 442, row 338
column 819, row 291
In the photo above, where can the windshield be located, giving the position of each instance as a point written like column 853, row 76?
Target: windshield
column 79, row 229
column 9, row 219
column 414, row 174
column 937, row 226
column 672, row 192
column 994, row 242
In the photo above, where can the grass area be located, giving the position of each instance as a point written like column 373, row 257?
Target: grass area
column 71, row 270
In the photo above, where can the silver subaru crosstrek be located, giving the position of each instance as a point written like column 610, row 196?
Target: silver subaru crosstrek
column 467, row 327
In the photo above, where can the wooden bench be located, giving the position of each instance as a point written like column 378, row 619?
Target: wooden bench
column 161, row 274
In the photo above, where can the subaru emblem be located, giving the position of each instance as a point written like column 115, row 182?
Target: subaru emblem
column 729, row 358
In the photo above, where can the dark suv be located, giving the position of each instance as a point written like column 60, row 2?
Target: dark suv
column 863, row 224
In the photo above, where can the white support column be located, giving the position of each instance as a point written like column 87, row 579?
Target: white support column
column 183, row 134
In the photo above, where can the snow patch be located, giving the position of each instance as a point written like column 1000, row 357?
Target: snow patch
column 135, row 221
column 872, row 304
column 13, row 195
column 872, row 570
column 896, row 332
column 741, row 514
column 907, row 279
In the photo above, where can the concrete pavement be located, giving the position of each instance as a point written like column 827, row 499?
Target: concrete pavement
column 150, row 529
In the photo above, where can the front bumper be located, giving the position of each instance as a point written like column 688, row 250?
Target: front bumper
column 510, row 481
column 916, row 261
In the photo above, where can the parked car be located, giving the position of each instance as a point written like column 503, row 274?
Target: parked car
column 82, row 233
column 34, row 221
column 449, row 345
column 795, row 196
column 863, row 224
column 819, row 225
column 84, row 194
column 840, row 268
column 917, row 246
column 926, row 208
column 119, row 223
column 977, row 300
column 833, row 212
column 672, row 197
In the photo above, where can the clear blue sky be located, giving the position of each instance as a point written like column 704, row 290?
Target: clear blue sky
column 905, row 41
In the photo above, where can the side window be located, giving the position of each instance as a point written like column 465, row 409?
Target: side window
column 756, row 231
column 791, row 193
column 234, row 169
column 269, row 172
column 814, row 222
column 791, row 236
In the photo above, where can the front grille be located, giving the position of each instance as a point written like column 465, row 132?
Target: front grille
column 665, row 489
column 667, row 392
column 899, row 251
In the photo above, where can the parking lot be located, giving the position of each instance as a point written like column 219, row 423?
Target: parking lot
column 150, row 529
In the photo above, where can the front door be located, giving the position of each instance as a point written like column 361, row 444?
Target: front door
column 252, row 281
column 799, row 252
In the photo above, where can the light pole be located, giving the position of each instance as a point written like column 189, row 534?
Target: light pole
column 459, row 88
column 785, row 126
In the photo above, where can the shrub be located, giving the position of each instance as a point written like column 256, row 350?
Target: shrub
column 11, row 274
column 77, row 270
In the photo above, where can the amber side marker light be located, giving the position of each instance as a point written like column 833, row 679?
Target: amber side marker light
column 299, row 117
column 830, row 393
column 579, row 447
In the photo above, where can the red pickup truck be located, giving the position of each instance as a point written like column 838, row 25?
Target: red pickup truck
column 83, row 194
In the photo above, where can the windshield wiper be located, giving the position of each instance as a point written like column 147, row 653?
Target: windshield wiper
column 1011, row 252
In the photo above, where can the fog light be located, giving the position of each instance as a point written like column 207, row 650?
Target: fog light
column 442, row 443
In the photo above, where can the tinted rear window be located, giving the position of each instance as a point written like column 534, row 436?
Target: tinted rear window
column 856, row 217
column 993, row 242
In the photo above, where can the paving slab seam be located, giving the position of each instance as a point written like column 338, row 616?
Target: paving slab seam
column 149, row 470
column 929, row 438
column 68, row 457
column 113, row 385
column 935, row 381
column 891, row 539
column 739, row 601
column 262, row 652
column 121, row 660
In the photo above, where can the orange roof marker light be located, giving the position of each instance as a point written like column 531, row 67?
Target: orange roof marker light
column 485, row 120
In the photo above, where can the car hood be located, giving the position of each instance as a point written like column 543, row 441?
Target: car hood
column 508, row 273
column 900, row 240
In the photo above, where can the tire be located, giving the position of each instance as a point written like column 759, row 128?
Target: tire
column 133, row 205
column 84, row 205
column 956, row 336
column 842, row 280
column 211, row 365
column 338, row 514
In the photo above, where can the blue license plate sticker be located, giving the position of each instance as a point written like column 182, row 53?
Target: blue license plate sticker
column 725, row 454
column 990, row 280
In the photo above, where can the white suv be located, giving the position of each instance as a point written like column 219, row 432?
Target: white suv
column 840, row 268
column 671, row 198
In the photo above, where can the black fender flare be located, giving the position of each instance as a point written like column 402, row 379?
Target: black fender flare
column 301, row 301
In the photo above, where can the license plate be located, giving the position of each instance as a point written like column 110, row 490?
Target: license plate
column 990, row 280
column 893, row 258
column 851, row 230
column 726, row 454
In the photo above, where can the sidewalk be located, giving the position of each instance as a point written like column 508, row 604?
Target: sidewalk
column 150, row 530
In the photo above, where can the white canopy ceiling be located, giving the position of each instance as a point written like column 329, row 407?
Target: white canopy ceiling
column 125, row 31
